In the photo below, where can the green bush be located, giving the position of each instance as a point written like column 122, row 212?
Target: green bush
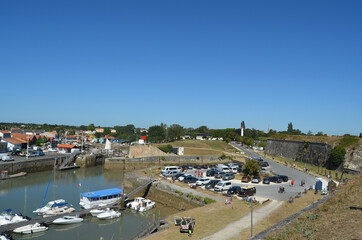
column 337, row 155
column 179, row 192
column 348, row 141
column 209, row 200
column 198, row 198
column 166, row 149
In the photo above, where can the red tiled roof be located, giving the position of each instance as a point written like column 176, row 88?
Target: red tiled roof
column 65, row 146
column 14, row 140
column 21, row 136
column 4, row 131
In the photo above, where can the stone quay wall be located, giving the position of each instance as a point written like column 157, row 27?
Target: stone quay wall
column 309, row 152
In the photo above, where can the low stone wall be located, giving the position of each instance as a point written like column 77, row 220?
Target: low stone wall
column 89, row 160
column 130, row 164
column 29, row 166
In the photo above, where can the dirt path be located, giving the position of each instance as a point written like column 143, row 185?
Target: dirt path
column 233, row 229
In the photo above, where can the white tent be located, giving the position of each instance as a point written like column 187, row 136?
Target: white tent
column 108, row 145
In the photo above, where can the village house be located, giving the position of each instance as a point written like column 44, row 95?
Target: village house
column 5, row 134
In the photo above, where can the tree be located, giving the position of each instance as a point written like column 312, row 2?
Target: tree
column 337, row 155
column 98, row 134
column 290, row 127
column 202, row 129
column 166, row 149
column 251, row 167
column 107, row 131
column 91, row 127
column 309, row 133
column 247, row 141
column 175, row 132
column 156, row 133
column 83, row 127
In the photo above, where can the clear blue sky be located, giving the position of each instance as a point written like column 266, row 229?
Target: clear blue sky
column 193, row 62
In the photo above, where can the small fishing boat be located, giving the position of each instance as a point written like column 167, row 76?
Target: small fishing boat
column 31, row 228
column 67, row 220
column 109, row 214
column 48, row 206
column 146, row 205
column 135, row 203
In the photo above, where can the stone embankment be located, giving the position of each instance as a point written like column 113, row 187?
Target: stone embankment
column 309, row 152
column 146, row 150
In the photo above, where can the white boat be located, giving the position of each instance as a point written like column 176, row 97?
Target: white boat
column 67, row 220
column 63, row 209
column 109, row 214
column 146, row 205
column 31, row 228
column 136, row 202
column 7, row 218
column 48, row 206
column 5, row 237
column 97, row 211
column 98, row 198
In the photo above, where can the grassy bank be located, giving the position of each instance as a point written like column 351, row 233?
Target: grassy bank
column 332, row 220
column 209, row 219
column 284, row 211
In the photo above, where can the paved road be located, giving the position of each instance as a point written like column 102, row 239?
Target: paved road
column 234, row 229
column 47, row 155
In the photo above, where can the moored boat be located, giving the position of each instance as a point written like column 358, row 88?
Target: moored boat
column 97, row 211
column 49, row 206
column 109, row 214
column 60, row 209
column 31, row 228
column 98, row 198
column 67, row 220
column 135, row 203
column 146, row 205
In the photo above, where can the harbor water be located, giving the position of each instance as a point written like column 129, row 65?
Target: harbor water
column 25, row 194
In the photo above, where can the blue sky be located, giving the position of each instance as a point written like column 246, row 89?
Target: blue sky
column 194, row 63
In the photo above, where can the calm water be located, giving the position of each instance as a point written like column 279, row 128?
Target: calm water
column 25, row 194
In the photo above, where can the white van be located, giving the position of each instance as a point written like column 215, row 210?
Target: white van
column 170, row 168
column 222, row 186
column 234, row 169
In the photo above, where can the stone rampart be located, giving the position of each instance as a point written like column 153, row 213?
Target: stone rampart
column 309, row 152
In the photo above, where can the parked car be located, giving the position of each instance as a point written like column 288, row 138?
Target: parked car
column 264, row 164
column 202, row 181
column 31, row 154
column 212, row 166
column 247, row 191
column 284, row 178
column 234, row 190
column 220, row 175
column 256, row 179
column 211, row 184
column 181, row 178
column 190, row 179
column 16, row 152
column 197, row 167
column 228, row 176
column 245, row 179
column 7, row 158
column 212, row 172
column 276, row 179
column 179, row 175
column 172, row 173
column 185, row 224
column 262, row 170
column 204, row 166
column 22, row 154
column 189, row 166
column 266, row 181
column 222, row 186
column 39, row 153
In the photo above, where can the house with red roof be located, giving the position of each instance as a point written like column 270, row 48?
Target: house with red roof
column 5, row 134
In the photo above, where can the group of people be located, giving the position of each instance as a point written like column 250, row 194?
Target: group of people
column 199, row 173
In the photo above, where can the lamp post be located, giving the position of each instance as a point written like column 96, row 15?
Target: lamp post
column 27, row 147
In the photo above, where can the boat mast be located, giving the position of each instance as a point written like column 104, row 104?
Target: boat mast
column 54, row 188
column 47, row 189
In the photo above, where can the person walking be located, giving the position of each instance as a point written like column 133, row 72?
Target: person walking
column 292, row 183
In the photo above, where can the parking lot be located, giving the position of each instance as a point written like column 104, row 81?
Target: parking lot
column 263, row 191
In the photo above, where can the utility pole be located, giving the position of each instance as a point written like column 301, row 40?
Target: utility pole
column 251, row 218
column 27, row 147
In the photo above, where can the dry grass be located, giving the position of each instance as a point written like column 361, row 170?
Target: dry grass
column 332, row 220
column 285, row 210
column 202, row 147
column 209, row 219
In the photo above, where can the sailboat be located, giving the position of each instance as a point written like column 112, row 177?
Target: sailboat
column 55, row 207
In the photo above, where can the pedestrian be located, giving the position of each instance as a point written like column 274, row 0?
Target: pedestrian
column 202, row 174
column 190, row 228
column 292, row 183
